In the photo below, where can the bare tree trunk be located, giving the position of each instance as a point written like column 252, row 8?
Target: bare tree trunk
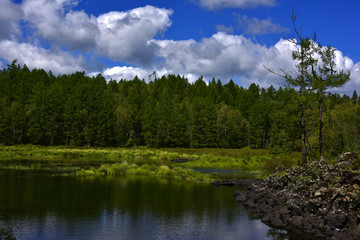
column 303, row 139
column 14, row 135
column 67, row 139
column 320, row 124
column 263, row 138
column 303, row 129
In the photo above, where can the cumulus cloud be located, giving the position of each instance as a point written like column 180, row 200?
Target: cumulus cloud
column 228, row 56
column 49, row 19
column 58, row 62
column 221, row 56
column 126, row 73
column 121, row 36
column 10, row 14
column 225, row 56
column 355, row 78
column 216, row 4
column 117, row 35
column 255, row 26
column 346, row 64
column 127, row 35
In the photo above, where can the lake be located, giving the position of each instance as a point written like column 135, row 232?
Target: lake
column 44, row 207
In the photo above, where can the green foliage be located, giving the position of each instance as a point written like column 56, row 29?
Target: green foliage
column 163, row 171
column 77, row 110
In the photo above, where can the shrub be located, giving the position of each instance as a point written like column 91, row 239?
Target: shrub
column 271, row 164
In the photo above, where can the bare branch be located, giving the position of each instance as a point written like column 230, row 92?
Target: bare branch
column 273, row 72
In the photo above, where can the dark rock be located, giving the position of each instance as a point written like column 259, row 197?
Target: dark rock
column 356, row 232
column 276, row 222
column 297, row 221
column 307, row 224
column 273, row 219
column 266, row 218
column 342, row 236
column 232, row 182
column 318, row 199
column 270, row 202
column 336, row 220
column 314, row 205
column 250, row 203
column 346, row 176
column 348, row 157
column 355, row 180
column 318, row 234
column 317, row 223
column 280, row 168
column 241, row 196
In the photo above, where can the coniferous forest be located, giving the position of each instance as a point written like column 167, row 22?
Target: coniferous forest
column 37, row 107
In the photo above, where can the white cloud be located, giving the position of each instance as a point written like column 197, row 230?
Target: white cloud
column 355, row 78
column 354, row 69
column 120, row 36
column 125, row 73
column 228, row 56
column 73, row 29
column 254, row 26
column 127, row 35
column 128, row 73
column 10, row 14
column 216, row 4
column 35, row 57
column 225, row 56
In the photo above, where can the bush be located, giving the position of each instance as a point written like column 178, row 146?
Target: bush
column 271, row 164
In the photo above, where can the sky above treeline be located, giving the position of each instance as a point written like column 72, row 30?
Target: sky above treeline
column 224, row 39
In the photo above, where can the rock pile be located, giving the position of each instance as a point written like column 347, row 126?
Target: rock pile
column 320, row 199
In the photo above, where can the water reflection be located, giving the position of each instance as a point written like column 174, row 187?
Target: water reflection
column 39, row 207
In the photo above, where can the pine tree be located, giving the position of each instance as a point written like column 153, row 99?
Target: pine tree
column 325, row 77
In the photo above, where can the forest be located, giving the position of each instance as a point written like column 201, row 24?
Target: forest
column 39, row 108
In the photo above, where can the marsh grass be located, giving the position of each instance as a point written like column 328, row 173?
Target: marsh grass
column 146, row 159
column 51, row 169
column 163, row 172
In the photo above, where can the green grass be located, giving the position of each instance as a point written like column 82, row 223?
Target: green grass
column 246, row 159
column 163, row 171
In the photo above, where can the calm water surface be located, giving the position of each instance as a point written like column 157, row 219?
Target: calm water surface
column 40, row 207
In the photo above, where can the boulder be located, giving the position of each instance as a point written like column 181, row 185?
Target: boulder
column 336, row 220
column 241, row 196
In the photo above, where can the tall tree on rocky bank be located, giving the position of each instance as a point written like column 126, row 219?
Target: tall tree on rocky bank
column 324, row 77
column 312, row 76
column 304, row 55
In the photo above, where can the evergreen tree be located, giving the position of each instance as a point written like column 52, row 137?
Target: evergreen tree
column 326, row 77
column 355, row 98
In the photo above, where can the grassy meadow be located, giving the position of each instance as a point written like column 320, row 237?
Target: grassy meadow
column 143, row 161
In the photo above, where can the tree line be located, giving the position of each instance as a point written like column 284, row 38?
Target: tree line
column 37, row 107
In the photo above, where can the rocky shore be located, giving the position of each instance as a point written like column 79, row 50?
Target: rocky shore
column 319, row 200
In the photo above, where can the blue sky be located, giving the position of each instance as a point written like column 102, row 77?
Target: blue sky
column 226, row 39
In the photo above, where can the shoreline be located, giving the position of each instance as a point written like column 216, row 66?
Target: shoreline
column 319, row 200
